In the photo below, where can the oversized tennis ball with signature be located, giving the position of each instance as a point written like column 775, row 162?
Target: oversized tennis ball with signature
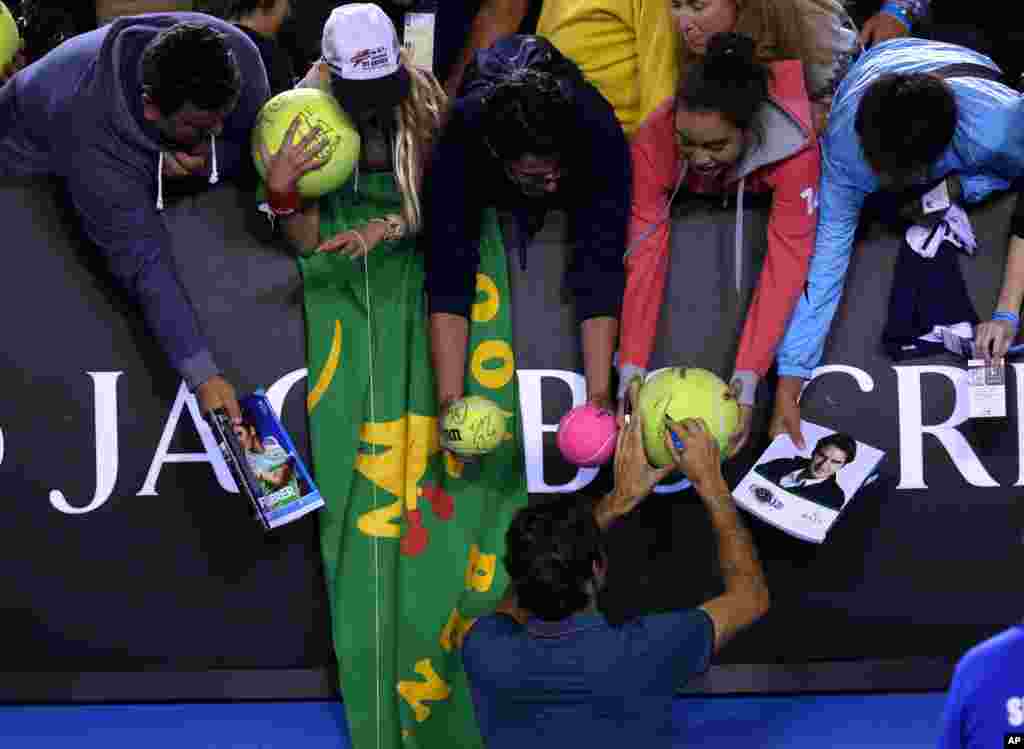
column 316, row 109
column 684, row 393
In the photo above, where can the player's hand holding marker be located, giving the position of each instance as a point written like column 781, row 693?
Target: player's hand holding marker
column 694, row 450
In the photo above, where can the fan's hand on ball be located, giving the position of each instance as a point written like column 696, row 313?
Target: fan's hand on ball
column 786, row 414
column 635, row 477
column 628, row 401
column 738, row 439
column 293, row 158
column 355, row 243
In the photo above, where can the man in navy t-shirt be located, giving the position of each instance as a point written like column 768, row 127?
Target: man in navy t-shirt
column 548, row 670
column 985, row 704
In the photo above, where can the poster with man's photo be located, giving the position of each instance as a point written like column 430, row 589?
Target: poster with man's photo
column 265, row 463
column 802, row 492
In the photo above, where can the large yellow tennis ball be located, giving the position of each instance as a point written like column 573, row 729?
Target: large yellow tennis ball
column 10, row 39
column 684, row 393
column 315, row 108
column 474, row 425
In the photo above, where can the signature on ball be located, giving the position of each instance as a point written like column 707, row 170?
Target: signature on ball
column 480, row 435
column 308, row 120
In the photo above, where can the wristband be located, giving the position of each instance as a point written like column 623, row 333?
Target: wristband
column 1009, row 317
column 283, row 204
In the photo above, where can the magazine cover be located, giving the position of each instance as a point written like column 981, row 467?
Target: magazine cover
column 265, row 463
column 802, row 492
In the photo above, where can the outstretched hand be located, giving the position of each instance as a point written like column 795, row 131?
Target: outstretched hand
column 992, row 340
column 355, row 243
column 738, row 439
column 635, row 477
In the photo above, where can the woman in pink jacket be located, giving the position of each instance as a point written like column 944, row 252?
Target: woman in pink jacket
column 735, row 126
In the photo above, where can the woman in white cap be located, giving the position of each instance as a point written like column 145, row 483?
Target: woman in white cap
column 394, row 547
column 397, row 109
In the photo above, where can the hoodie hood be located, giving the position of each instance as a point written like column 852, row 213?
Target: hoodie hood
column 784, row 121
column 113, row 91
column 115, row 87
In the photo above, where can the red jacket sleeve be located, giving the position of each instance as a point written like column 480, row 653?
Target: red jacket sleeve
column 655, row 171
column 792, row 224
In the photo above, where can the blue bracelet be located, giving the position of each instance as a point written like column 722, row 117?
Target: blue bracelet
column 1009, row 317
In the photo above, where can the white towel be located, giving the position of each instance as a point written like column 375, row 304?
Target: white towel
column 955, row 227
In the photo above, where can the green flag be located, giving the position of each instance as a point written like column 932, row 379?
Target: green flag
column 411, row 539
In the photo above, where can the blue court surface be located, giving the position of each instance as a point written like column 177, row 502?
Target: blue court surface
column 908, row 721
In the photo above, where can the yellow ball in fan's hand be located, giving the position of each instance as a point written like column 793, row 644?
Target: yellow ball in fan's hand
column 10, row 39
column 684, row 393
column 316, row 109
column 473, row 426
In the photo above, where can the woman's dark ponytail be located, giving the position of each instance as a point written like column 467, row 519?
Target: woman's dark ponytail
column 729, row 80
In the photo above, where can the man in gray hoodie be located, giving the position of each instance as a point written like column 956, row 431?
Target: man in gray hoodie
column 116, row 112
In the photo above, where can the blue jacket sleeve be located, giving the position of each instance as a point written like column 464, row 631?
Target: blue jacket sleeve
column 804, row 341
column 453, row 211
column 120, row 217
column 599, row 218
column 989, row 140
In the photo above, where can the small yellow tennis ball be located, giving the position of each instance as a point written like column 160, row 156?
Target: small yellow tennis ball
column 474, row 425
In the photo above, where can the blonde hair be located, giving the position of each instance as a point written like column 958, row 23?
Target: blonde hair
column 419, row 122
column 805, row 30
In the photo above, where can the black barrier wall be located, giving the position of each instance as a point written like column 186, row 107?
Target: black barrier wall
column 125, row 550
column 121, row 549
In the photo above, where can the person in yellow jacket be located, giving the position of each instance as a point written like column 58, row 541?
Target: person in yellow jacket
column 628, row 49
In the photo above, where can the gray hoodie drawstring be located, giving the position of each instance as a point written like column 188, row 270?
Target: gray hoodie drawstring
column 739, row 234
column 214, row 174
column 160, row 182
column 653, row 226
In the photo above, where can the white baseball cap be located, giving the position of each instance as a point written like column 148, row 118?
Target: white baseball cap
column 361, row 49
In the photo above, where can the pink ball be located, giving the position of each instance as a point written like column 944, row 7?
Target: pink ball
column 586, row 436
